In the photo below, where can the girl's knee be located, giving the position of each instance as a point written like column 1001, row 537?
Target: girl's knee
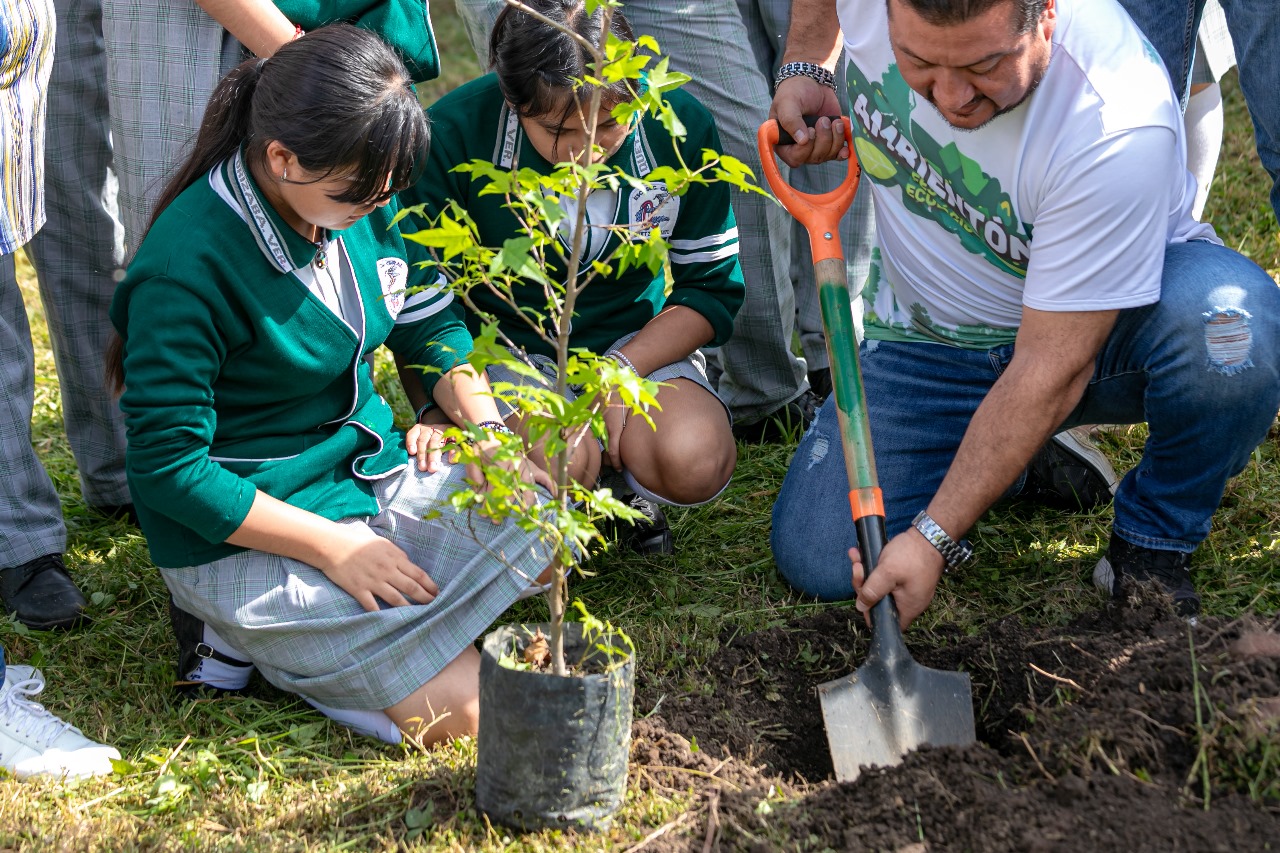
column 447, row 706
column 691, row 471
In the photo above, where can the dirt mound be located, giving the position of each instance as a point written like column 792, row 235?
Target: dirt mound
column 1116, row 731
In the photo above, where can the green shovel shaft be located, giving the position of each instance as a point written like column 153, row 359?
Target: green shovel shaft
column 855, row 437
column 846, row 376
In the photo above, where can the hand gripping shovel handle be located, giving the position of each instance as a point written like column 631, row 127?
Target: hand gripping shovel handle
column 820, row 214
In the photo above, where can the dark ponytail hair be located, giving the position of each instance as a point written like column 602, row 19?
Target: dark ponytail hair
column 338, row 98
column 538, row 64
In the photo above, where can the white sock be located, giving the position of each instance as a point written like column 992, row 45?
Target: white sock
column 216, row 673
column 1203, row 123
column 375, row 724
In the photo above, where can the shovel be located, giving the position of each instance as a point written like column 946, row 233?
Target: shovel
column 891, row 704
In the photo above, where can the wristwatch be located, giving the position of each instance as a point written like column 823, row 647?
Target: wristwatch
column 954, row 553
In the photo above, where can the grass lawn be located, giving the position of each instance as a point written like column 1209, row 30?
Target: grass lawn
column 265, row 771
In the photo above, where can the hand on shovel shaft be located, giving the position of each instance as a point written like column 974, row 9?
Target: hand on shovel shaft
column 908, row 568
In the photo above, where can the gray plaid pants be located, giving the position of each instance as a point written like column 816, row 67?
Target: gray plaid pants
column 164, row 58
column 79, row 250
column 30, row 515
column 76, row 255
column 730, row 48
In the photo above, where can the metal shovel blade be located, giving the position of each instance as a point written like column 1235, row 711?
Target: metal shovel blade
column 890, row 706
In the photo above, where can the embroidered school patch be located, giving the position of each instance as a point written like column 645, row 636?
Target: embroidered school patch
column 653, row 207
column 393, row 273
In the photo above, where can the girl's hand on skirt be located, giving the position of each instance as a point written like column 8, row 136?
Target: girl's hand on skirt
column 370, row 568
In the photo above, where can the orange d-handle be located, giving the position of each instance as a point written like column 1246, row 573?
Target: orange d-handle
column 820, row 214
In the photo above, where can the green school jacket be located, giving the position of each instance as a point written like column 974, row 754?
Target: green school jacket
column 239, row 379
column 474, row 123
column 403, row 24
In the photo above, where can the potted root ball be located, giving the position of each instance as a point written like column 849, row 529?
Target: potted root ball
column 552, row 749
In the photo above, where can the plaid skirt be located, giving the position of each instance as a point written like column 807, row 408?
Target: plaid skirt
column 308, row 636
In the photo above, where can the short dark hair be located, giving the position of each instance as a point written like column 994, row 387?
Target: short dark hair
column 537, row 63
column 944, row 13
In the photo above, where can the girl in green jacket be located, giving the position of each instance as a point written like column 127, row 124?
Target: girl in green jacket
column 529, row 114
column 284, row 509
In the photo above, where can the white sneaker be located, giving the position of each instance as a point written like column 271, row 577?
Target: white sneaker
column 34, row 741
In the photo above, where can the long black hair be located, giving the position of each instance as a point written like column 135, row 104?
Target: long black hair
column 338, row 98
column 537, row 63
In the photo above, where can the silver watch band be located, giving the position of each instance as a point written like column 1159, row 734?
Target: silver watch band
column 953, row 553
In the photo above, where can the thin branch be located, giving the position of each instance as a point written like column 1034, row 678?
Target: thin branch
column 658, row 833
column 713, row 822
column 1058, row 678
column 1034, row 757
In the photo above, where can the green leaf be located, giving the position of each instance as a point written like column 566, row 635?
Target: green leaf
column 516, row 259
column 662, row 79
column 449, row 236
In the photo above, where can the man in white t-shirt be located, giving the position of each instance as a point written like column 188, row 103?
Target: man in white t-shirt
column 1036, row 267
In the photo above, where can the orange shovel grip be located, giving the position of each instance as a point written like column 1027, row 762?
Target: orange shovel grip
column 820, row 214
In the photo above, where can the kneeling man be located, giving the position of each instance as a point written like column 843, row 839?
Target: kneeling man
column 1037, row 267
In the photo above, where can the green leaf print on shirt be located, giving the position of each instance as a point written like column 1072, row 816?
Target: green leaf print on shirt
column 938, row 182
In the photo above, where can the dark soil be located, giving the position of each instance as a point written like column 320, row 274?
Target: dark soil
column 1088, row 739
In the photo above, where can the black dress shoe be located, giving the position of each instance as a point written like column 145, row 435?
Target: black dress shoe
column 649, row 534
column 193, row 653
column 42, row 595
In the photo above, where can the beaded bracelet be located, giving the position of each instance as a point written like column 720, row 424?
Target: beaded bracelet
column 805, row 69
column 617, row 355
column 496, row 426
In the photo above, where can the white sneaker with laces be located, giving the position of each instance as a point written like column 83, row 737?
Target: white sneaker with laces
column 35, row 742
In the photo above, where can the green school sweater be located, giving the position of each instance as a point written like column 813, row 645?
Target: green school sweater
column 239, row 379
column 403, row 24
column 474, row 123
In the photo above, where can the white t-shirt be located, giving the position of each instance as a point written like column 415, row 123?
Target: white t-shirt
column 1063, row 204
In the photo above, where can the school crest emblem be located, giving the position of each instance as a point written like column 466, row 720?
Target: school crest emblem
column 393, row 275
column 653, row 207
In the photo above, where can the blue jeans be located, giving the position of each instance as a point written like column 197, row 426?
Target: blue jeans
column 1170, row 26
column 1201, row 367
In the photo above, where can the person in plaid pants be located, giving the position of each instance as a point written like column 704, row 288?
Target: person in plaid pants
column 34, row 584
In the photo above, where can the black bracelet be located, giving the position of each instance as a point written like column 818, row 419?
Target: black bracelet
column 806, row 69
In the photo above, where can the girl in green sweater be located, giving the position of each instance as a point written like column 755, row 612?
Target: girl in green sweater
column 528, row 113
column 284, row 509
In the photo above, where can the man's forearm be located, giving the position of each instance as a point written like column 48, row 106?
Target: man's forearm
column 1017, row 417
column 1052, row 363
column 814, row 35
